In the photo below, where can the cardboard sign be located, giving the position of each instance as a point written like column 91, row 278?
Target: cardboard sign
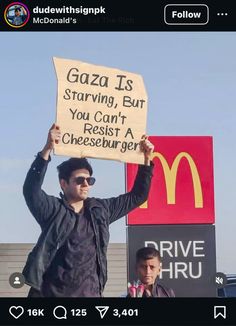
column 188, row 256
column 101, row 111
column 182, row 190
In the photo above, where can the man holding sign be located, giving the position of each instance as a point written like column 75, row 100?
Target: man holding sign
column 69, row 259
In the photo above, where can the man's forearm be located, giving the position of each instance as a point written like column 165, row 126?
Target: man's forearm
column 45, row 153
column 53, row 138
column 35, row 176
column 39, row 203
column 147, row 161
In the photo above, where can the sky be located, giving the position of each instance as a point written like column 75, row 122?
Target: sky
column 191, row 83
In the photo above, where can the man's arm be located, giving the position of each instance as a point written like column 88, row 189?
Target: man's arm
column 40, row 204
column 24, row 11
column 119, row 206
column 54, row 136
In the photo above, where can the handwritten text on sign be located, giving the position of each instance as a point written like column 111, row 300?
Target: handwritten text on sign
column 101, row 111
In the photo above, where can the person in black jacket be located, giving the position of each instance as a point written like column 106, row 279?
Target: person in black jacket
column 69, row 259
column 148, row 268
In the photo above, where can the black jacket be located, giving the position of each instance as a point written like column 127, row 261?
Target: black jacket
column 57, row 219
column 160, row 291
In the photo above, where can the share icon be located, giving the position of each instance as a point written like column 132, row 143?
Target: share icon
column 102, row 310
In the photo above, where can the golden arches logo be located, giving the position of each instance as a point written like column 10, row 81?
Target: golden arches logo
column 170, row 174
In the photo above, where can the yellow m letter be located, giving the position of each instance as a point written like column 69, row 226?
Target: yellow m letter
column 170, row 174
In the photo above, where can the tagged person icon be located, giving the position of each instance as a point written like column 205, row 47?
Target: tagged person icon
column 17, row 280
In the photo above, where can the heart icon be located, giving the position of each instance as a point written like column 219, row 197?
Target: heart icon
column 16, row 312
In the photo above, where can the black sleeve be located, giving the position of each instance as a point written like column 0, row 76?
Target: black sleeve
column 39, row 203
column 119, row 206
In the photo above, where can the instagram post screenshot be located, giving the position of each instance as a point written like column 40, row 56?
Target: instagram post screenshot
column 117, row 163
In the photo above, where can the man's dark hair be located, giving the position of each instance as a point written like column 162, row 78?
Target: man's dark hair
column 18, row 9
column 66, row 168
column 147, row 253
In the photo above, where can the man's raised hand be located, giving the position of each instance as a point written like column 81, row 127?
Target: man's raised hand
column 54, row 136
column 147, row 148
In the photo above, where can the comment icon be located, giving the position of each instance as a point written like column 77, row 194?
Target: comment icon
column 60, row 312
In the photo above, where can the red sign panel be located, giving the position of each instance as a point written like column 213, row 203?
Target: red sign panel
column 182, row 190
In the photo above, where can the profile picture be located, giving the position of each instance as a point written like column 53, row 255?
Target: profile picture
column 16, row 14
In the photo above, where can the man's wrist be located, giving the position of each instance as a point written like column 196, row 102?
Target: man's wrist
column 147, row 161
column 45, row 153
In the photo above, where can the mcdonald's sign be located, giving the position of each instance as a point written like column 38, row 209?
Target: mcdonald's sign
column 182, row 190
